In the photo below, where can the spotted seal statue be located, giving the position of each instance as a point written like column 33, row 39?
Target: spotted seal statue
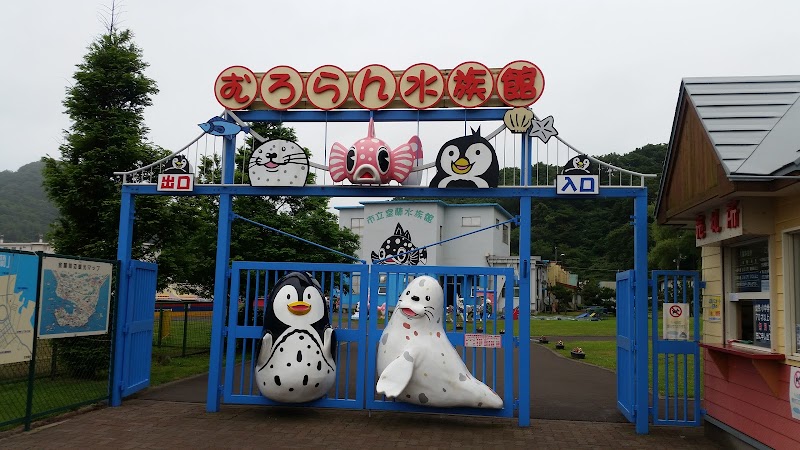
column 416, row 362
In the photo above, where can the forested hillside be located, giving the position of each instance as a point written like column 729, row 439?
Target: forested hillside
column 25, row 211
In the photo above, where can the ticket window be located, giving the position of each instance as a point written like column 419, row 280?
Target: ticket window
column 747, row 286
column 791, row 270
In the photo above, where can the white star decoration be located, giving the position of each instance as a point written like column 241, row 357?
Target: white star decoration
column 543, row 129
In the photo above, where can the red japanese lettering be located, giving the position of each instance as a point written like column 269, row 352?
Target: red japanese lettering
column 183, row 182
column 282, row 81
column 715, row 227
column 732, row 212
column 469, row 84
column 518, row 84
column 232, row 89
column 168, row 182
column 421, row 83
column 318, row 89
column 700, row 227
column 382, row 96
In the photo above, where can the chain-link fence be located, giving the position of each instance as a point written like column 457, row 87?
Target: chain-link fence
column 52, row 373
column 181, row 328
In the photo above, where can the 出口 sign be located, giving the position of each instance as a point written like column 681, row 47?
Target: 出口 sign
column 420, row 86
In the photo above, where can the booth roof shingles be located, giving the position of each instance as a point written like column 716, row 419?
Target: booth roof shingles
column 730, row 134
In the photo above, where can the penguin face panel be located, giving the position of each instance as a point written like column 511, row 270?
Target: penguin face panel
column 298, row 306
column 178, row 164
column 467, row 161
column 422, row 299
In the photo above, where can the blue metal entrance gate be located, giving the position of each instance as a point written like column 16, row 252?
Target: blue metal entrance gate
column 676, row 358
column 675, row 383
column 135, row 336
column 476, row 295
column 620, row 183
column 626, row 357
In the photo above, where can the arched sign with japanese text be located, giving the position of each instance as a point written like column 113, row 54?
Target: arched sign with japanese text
column 468, row 85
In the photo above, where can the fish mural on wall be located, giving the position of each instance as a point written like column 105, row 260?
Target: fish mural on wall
column 399, row 250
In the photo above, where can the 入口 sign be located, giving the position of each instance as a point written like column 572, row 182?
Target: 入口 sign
column 420, row 86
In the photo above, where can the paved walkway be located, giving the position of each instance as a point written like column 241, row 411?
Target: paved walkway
column 561, row 388
column 573, row 406
column 176, row 425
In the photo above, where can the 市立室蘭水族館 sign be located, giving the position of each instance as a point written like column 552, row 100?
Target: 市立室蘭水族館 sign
column 469, row 85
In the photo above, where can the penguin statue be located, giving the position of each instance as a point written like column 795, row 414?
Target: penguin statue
column 296, row 362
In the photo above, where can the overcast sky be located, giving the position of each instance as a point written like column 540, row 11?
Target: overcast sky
column 612, row 69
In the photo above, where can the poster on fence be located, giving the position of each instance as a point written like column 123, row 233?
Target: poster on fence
column 75, row 297
column 18, row 273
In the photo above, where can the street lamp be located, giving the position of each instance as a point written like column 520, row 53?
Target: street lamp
column 557, row 255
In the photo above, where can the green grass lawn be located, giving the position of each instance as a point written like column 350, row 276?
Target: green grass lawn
column 164, row 370
column 50, row 394
column 604, row 354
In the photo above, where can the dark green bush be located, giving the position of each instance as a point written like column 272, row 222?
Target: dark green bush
column 85, row 357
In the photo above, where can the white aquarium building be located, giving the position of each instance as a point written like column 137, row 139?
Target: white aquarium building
column 389, row 228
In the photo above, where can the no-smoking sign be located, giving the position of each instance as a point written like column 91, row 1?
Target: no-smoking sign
column 676, row 321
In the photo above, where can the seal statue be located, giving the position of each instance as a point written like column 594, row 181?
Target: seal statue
column 416, row 362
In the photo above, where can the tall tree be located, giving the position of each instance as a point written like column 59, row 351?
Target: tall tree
column 106, row 105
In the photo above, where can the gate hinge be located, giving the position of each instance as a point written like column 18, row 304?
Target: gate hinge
column 650, row 283
column 702, row 284
column 129, row 271
column 225, row 331
column 219, row 389
column 515, row 341
column 516, row 403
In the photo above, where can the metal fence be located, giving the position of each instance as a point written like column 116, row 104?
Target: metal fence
column 61, row 374
column 181, row 328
